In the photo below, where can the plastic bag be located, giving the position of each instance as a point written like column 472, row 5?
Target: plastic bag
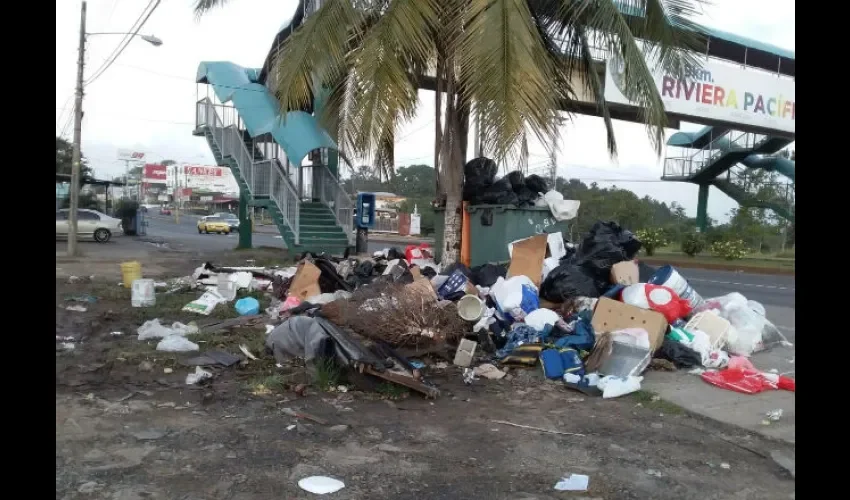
column 613, row 387
column 478, row 174
column 152, row 329
column 487, row 274
column 657, row 298
column 748, row 381
column 539, row 318
column 752, row 331
column 568, row 281
column 561, row 209
column 205, row 303
column 605, row 245
column 422, row 251
column 525, row 197
column 537, row 184
column 499, row 193
column 515, row 297
column 681, row 355
column 176, row 343
column 247, row 306
column 517, row 180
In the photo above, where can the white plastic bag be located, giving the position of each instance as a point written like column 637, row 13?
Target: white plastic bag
column 508, row 292
column 539, row 318
column 199, row 375
column 613, row 387
column 205, row 303
column 153, row 329
column 176, row 343
column 561, row 209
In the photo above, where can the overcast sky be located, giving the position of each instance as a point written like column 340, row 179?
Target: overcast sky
column 145, row 100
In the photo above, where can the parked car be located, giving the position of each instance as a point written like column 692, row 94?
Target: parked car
column 213, row 224
column 90, row 224
column 231, row 219
column 164, row 211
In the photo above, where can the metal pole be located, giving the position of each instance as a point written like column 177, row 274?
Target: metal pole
column 78, row 131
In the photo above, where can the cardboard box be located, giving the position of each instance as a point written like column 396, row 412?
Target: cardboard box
column 305, row 283
column 625, row 273
column 611, row 315
column 527, row 258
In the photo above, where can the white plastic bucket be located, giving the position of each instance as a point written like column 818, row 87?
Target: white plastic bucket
column 226, row 287
column 470, row 308
column 669, row 277
column 143, row 293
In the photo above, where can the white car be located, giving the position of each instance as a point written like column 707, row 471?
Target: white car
column 90, row 224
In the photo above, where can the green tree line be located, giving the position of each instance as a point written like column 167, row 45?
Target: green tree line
column 758, row 228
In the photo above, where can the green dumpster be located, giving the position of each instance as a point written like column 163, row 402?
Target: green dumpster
column 494, row 226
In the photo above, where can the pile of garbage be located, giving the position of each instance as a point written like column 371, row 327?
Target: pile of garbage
column 590, row 315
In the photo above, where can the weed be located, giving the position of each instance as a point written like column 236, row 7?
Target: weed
column 392, row 391
column 327, row 373
column 654, row 402
column 268, row 384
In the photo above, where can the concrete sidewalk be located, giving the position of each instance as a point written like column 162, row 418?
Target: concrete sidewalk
column 742, row 410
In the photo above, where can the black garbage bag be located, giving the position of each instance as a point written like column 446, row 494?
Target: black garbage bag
column 681, row 355
column 364, row 269
column 499, row 193
column 517, row 180
column 478, row 174
column 568, row 281
column 394, row 253
column 526, row 197
column 451, row 268
column 487, row 274
column 428, row 272
column 329, row 280
column 536, row 183
column 605, row 245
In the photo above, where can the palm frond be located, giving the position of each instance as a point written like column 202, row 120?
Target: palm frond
column 505, row 69
column 204, row 6
column 383, row 71
column 315, row 53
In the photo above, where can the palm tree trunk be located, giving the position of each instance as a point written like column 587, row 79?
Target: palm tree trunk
column 452, row 177
column 438, row 133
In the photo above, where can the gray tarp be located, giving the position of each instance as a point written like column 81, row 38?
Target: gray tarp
column 316, row 338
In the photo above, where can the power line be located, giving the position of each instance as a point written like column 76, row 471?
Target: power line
column 128, row 40
column 123, row 39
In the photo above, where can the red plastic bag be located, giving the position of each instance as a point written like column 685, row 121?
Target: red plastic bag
column 748, row 381
column 657, row 298
column 422, row 251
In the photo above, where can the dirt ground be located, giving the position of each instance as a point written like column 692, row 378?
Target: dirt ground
column 128, row 427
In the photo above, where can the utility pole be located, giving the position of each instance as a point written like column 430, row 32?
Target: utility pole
column 78, row 131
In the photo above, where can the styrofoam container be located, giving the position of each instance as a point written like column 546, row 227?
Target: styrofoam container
column 470, row 308
column 143, row 293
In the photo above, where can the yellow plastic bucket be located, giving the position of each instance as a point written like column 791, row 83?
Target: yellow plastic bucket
column 130, row 271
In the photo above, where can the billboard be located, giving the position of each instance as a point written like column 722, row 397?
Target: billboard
column 130, row 155
column 202, row 171
column 154, row 173
column 718, row 91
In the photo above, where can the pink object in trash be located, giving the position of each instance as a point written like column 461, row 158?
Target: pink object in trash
column 290, row 303
column 657, row 298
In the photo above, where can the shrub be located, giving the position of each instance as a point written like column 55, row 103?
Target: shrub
column 693, row 244
column 732, row 249
column 651, row 239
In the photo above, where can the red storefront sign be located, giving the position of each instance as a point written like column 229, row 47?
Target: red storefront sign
column 153, row 173
column 203, row 171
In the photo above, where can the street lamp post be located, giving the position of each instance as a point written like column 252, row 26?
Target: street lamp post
column 78, row 126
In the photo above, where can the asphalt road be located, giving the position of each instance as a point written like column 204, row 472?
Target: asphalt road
column 776, row 293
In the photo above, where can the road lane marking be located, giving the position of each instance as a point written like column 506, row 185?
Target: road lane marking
column 769, row 287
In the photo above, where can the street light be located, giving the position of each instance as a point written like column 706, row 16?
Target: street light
column 78, row 125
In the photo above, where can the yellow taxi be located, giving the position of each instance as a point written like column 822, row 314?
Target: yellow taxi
column 212, row 224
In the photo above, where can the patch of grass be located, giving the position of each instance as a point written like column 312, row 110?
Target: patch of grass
column 269, row 384
column 392, row 391
column 653, row 401
column 327, row 374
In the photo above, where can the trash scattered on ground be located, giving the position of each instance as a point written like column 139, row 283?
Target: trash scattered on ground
column 205, row 303
column 210, row 358
column 320, row 485
column 574, row 482
column 76, row 308
column 88, row 299
column 153, row 329
column 548, row 431
column 774, row 415
column 247, row 306
column 176, row 343
column 246, row 352
column 198, row 376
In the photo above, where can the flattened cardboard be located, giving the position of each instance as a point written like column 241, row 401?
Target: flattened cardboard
column 611, row 315
column 305, row 283
column 625, row 273
column 527, row 258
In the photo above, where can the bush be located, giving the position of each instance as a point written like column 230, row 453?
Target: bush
column 730, row 249
column 693, row 244
column 651, row 239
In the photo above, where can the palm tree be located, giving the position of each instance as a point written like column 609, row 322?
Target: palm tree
column 512, row 64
